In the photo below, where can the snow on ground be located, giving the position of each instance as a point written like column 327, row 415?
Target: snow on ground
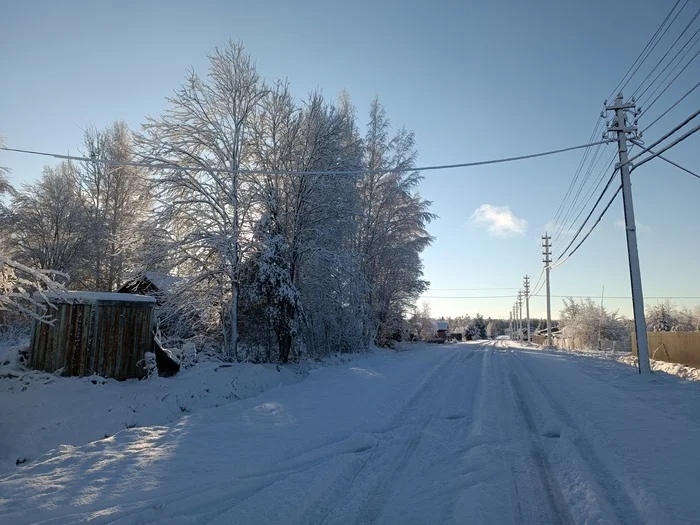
column 683, row 371
column 464, row 433
column 40, row 411
column 686, row 372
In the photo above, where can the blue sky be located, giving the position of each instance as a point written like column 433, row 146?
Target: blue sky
column 474, row 80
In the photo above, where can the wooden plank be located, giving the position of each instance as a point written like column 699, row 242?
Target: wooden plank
column 68, row 340
column 123, row 338
column 109, row 339
column 94, row 344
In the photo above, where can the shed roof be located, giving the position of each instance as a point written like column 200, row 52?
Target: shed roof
column 77, row 297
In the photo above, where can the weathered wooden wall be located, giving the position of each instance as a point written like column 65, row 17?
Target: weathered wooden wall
column 104, row 337
column 673, row 347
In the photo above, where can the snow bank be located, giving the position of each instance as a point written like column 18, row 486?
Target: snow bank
column 682, row 371
column 40, row 411
column 676, row 369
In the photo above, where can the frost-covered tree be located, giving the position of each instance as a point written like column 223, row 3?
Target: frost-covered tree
column 392, row 231
column 421, row 322
column 477, row 327
column 310, row 218
column 5, row 186
column 209, row 214
column 491, row 329
column 45, row 224
column 584, row 321
column 117, row 202
column 668, row 317
column 19, row 283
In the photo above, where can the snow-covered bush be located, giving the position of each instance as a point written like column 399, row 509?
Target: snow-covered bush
column 584, row 323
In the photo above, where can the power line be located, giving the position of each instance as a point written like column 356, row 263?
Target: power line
column 652, row 39
column 165, row 165
column 636, row 65
column 667, row 135
column 668, row 160
column 562, row 261
column 578, row 232
column 578, row 192
column 593, row 189
column 560, row 209
column 659, row 62
column 566, row 227
column 666, row 148
column 670, row 62
column 670, row 108
column 539, row 280
column 649, row 106
column 471, row 289
column 467, row 297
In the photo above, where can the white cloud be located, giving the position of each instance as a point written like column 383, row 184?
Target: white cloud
column 499, row 220
column 641, row 227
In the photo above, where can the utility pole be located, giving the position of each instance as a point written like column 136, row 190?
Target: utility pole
column 526, row 287
column 547, row 260
column 600, row 321
column 620, row 127
column 510, row 325
column 520, row 316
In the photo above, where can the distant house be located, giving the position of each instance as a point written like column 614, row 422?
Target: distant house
column 442, row 328
column 150, row 284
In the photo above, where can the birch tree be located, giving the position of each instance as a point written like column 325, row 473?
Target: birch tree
column 117, row 201
column 392, row 232
column 208, row 126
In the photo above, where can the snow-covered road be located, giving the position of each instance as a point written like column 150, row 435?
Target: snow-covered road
column 467, row 433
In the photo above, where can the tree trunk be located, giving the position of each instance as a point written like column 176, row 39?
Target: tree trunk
column 285, row 346
column 233, row 341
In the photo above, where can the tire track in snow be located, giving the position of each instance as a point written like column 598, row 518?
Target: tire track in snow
column 379, row 487
column 626, row 510
column 364, row 455
column 553, row 494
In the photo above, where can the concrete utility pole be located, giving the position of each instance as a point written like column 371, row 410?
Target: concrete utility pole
column 526, row 287
column 620, row 127
column 547, row 260
column 520, row 315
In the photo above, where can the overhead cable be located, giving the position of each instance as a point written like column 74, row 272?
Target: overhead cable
column 165, row 165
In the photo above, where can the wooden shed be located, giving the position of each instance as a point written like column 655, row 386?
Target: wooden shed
column 94, row 333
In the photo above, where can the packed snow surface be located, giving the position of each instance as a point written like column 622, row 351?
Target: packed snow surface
column 462, row 433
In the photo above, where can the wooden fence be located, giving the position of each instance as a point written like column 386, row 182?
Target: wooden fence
column 104, row 334
column 673, row 347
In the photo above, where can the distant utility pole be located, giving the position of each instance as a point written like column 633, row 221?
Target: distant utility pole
column 510, row 325
column 600, row 321
column 547, row 260
column 520, row 315
column 620, row 126
column 526, row 287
